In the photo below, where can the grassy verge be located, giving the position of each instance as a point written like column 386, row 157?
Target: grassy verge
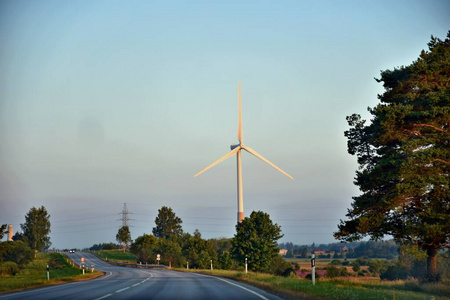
column 115, row 255
column 345, row 288
column 35, row 273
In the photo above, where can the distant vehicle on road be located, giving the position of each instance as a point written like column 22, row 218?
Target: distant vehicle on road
column 72, row 251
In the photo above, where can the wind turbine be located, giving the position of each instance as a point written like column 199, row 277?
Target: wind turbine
column 236, row 149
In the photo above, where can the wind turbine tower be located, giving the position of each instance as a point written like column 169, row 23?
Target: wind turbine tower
column 236, row 149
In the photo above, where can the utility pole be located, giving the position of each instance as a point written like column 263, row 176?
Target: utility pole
column 125, row 219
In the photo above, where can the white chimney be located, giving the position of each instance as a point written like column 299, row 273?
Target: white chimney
column 10, row 232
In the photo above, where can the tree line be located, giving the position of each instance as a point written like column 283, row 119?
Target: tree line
column 255, row 242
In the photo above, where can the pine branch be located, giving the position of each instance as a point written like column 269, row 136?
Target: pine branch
column 427, row 125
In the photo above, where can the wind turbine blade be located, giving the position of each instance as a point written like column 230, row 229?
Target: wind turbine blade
column 229, row 154
column 251, row 151
column 239, row 135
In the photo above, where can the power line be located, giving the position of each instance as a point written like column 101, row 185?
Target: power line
column 125, row 219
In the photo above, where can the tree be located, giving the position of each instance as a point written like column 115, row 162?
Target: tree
column 167, row 224
column 144, row 248
column 403, row 157
column 16, row 251
column 124, row 236
column 256, row 239
column 199, row 252
column 170, row 252
column 36, row 229
column 3, row 230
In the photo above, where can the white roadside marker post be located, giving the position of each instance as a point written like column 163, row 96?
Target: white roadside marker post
column 313, row 269
column 48, row 272
column 211, row 265
column 246, row 265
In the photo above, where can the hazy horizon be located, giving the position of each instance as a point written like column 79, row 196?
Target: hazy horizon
column 105, row 102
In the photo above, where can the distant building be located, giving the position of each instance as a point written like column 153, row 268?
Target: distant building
column 319, row 251
column 283, row 252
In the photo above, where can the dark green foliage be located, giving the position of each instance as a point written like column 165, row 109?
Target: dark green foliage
column 372, row 249
column 336, row 262
column 36, row 229
column 280, row 267
column 170, row 252
column 376, row 266
column 167, row 224
column 225, row 261
column 394, row 272
column 3, row 231
column 309, row 276
column 144, row 248
column 404, row 158
column 355, row 266
column 256, row 238
column 18, row 236
column 124, row 236
column 333, row 271
column 104, row 246
column 16, row 251
column 9, row 268
column 199, row 252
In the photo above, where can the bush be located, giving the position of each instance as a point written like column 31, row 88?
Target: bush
column 394, row 272
column 333, row 271
column 9, row 268
column 336, row 262
column 16, row 251
column 309, row 276
column 356, row 266
column 280, row 267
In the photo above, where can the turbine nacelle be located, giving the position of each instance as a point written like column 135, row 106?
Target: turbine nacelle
column 232, row 147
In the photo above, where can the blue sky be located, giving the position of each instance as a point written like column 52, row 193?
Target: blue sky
column 111, row 102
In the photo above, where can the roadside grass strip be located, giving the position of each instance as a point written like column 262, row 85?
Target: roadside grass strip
column 35, row 273
column 342, row 288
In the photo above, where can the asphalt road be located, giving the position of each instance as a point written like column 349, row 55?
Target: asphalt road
column 131, row 283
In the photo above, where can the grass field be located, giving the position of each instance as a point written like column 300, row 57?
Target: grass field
column 344, row 288
column 35, row 273
column 116, row 255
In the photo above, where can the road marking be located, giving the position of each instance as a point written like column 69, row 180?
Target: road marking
column 136, row 284
column 106, row 296
column 124, row 289
column 232, row 283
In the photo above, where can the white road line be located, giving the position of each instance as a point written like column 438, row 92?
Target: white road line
column 232, row 283
column 136, row 284
column 103, row 297
column 124, row 289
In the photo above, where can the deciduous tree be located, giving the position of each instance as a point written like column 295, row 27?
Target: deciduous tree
column 403, row 156
column 123, row 236
column 144, row 248
column 256, row 238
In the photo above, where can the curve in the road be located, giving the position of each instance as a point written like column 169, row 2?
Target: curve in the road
column 132, row 283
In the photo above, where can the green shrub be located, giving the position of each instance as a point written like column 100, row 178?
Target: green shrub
column 309, row 276
column 394, row 272
column 333, row 271
column 9, row 268
column 336, row 262
column 16, row 251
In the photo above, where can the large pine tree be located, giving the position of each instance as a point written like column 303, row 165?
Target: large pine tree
column 404, row 156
